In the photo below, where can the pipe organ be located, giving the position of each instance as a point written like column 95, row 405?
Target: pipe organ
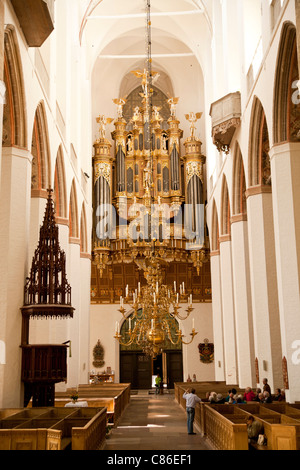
column 146, row 193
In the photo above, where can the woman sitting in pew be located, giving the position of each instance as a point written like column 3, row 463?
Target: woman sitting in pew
column 279, row 395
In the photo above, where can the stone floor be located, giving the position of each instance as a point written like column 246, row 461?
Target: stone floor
column 154, row 422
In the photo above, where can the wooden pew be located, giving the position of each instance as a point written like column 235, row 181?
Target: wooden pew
column 53, row 429
column 92, row 435
column 115, row 397
column 223, row 433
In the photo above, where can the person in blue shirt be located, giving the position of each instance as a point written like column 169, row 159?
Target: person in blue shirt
column 191, row 401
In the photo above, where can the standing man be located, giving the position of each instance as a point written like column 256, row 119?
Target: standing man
column 266, row 386
column 191, row 401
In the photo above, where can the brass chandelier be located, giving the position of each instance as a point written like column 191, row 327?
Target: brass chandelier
column 156, row 311
column 155, row 306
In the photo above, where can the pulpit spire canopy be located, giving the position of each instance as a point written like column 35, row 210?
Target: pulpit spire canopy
column 47, row 291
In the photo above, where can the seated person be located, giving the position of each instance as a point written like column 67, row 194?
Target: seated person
column 212, row 397
column 254, row 429
column 249, row 395
column 279, row 395
column 239, row 399
column 258, row 391
column 267, row 397
column 220, row 399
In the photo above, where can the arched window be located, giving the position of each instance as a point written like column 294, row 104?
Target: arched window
column 40, row 176
column 159, row 99
column 215, row 236
column 259, row 147
column 83, row 231
column 286, row 92
column 239, row 184
column 73, row 213
column 14, row 118
column 60, row 195
column 225, row 209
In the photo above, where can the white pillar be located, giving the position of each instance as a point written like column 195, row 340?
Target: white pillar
column 14, row 234
column 217, row 317
column 85, row 300
column 243, row 304
column 264, row 286
column 228, row 308
column 73, row 270
column 285, row 170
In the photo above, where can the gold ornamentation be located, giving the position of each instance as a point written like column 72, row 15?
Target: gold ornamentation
column 192, row 169
column 103, row 121
column 102, row 169
column 120, row 104
column 156, row 312
column 193, row 118
column 172, row 102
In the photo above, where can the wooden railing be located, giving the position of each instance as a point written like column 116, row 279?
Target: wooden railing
column 224, row 433
column 92, row 435
column 225, row 427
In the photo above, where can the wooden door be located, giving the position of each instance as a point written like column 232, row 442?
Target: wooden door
column 144, row 371
column 174, row 368
column 127, row 369
column 136, row 368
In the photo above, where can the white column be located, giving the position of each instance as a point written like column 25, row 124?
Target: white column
column 285, row 169
column 14, row 233
column 73, row 270
column 228, row 307
column 85, row 300
column 217, row 52
column 243, row 304
column 264, row 287
column 217, row 317
column 232, row 41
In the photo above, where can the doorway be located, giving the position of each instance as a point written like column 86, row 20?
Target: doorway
column 138, row 369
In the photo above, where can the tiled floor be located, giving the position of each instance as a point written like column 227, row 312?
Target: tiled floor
column 154, row 422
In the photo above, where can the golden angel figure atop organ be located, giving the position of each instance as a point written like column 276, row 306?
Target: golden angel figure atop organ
column 193, row 118
column 172, row 102
column 103, row 121
column 120, row 102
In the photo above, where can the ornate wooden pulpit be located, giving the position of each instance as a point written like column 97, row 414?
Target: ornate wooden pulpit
column 47, row 294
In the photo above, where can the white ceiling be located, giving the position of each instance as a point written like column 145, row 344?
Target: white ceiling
column 113, row 33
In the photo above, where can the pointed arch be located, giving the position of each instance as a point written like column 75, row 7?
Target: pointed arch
column 286, row 112
column 225, row 209
column 40, row 150
column 14, row 117
column 60, row 193
column 215, row 234
column 259, row 147
column 73, row 213
column 83, row 230
column 239, row 206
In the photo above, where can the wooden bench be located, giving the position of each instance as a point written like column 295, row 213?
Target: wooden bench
column 115, row 397
column 223, row 433
column 282, row 432
column 53, row 429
